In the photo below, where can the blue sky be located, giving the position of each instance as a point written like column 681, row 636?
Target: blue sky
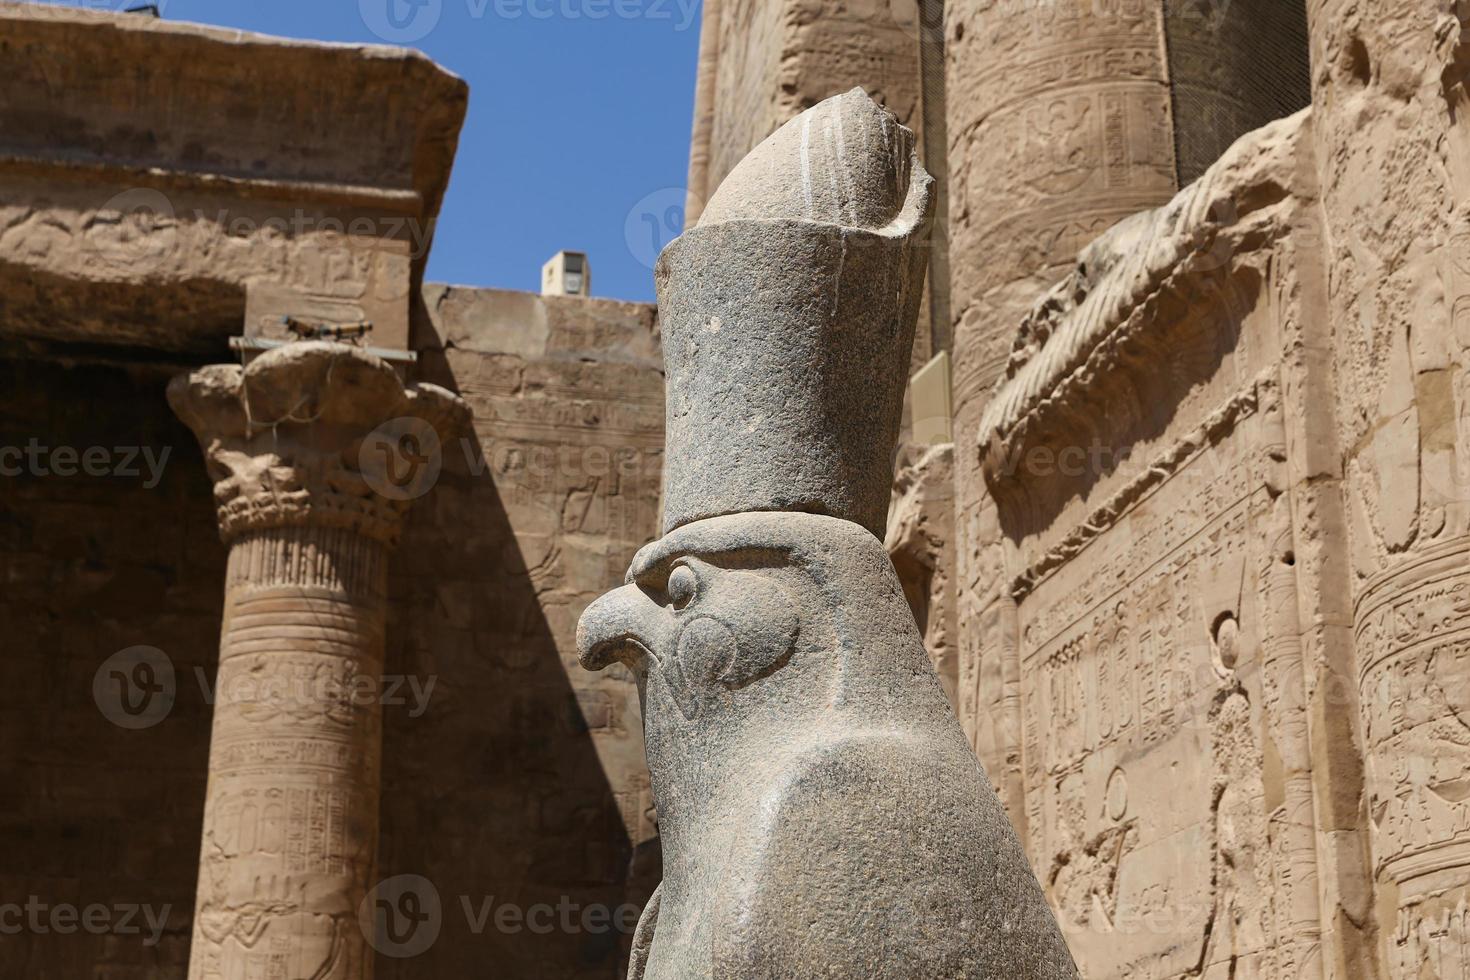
column 578, row 128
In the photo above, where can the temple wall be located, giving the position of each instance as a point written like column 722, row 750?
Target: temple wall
column 103, row 778
column 1170, row 557
column 509, row 773
column 1232, row 67
column 525, row 780
column 775, row 58
column 132, row 216
column 1062, row 120
column 763, row 62
column 1257, row 556
column 1058, row 123
column 1389, row 84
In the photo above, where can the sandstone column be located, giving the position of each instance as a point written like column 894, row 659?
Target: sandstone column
column 1058, row 120
column 704, row 112
column 317, row 451
column 1389, row 87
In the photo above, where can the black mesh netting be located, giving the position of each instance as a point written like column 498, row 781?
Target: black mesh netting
column 1234, row 65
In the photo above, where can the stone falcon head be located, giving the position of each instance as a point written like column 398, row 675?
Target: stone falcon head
column 718, row 614
column 820, row 810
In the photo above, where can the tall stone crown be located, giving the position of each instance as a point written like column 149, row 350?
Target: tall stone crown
column 788, row 317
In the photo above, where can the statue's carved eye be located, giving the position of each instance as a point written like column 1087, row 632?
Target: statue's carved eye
column 682, row 586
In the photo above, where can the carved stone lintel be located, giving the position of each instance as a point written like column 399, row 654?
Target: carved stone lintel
column 316, row 434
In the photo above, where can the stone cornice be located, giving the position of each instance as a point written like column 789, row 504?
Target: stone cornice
column 1214, row 428
column 316, row 434
column 1075, row 344
column 374, row 126
column 115, row 174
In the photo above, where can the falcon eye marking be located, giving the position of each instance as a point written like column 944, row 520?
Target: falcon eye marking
column 683, row 584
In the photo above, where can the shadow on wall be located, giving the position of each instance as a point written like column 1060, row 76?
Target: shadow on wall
column 494, row 795
column 1099, row 436
column 493, row 789
column 108, row 543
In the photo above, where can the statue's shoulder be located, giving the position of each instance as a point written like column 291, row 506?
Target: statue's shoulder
column 875, row 764
column 843, row 847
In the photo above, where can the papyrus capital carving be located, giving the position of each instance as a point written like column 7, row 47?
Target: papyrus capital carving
column 317, row 434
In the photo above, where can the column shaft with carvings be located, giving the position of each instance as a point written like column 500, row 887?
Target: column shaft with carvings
column 1058, row 125
column 1390, row 85
column 317, row 451
column 1295, row 819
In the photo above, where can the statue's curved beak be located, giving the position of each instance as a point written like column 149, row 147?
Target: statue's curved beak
column 621, row 626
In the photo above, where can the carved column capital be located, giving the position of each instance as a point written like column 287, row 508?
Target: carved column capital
column 316, row 434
